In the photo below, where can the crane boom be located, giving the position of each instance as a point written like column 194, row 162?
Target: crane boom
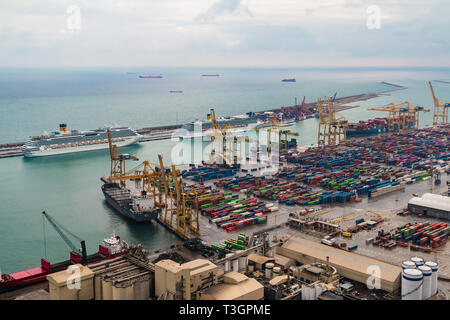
column 59, row 229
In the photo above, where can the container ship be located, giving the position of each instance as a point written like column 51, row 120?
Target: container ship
column 210, row 75
column 150, row 76
column 63, row 141
column 367, row 127
column 140, row 208
column 288, row 80
column 110, row 248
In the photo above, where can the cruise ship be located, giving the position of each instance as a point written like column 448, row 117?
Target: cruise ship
column 64, row 141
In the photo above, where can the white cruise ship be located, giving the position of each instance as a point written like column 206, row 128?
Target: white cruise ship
column 64, row 141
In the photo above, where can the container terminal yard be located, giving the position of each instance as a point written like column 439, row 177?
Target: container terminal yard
column 362, row 217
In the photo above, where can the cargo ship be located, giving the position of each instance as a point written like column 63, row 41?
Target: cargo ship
column 110, row 248
column 210, row 75
column 150, row 76
column 367, row 127
column 140, row 208
column 288, row 80
column 64, row 141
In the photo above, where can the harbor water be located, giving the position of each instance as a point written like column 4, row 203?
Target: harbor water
column 68, row 186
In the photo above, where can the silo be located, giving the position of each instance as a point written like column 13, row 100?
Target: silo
column 412, row 280
column 426, row 288
column 235, row 264
column 227, row 264
column 434, row 276
column 269, row 267
column 408, row 265
column 276, row 271
column 418, row 261
column 107, row 291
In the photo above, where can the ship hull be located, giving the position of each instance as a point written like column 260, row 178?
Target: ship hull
column 141, row 217
column 82, row 148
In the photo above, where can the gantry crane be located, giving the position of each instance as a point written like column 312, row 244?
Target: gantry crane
column 186, row 208
column 229, row 153
column 440, row 108
column 332, row 129
column 74, row 255
column 117, row 160
column 300, row 108
column 402, row 116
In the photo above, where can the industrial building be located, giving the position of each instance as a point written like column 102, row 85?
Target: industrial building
column 347, row 264
column 432, row 205
column 235, row 286
column 176, row 281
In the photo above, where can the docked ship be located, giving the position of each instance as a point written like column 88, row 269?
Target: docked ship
column 110, row 248
column 200, row 128
column 64, row 141
column 367, row 127
column 139, row 208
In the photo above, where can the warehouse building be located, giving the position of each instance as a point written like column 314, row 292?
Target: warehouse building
column 347, row 264
column 432, row 205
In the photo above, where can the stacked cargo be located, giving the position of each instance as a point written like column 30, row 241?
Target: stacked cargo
column 230, row 212
column 204, row 173
column 424, row 234
column 231, row 245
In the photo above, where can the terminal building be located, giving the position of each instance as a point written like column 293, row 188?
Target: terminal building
column 432, row 205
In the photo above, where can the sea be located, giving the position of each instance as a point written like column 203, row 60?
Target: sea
column 67, row 187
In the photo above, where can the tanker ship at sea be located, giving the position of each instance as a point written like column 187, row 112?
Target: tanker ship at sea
column 64, row 141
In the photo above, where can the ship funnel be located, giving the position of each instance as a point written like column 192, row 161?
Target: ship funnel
column 63, row 128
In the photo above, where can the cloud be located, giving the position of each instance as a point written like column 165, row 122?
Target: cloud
column 223, row 32
column 224, row 7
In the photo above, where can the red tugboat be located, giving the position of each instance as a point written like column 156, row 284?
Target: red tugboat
column 110, row 248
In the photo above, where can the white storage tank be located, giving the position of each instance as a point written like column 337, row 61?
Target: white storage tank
column 408, row 265
column 235, row 264
column 227, row 264
column 418, row 261
column 412, row 284
column 269, row 268
column 434, row 276
column 426, row 287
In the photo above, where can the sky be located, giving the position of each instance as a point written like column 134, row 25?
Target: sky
column 252, row 33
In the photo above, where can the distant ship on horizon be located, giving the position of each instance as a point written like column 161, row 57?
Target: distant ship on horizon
column 289, row 80
column 150, row 76
column 210, row 75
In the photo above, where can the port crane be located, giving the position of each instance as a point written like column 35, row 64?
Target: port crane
column 300, row 108
column 402, row 116
column 117, row 160
column 181, row 205
column 227, row 152
column 440, row 108
column 60, row 229
column 332, row 129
